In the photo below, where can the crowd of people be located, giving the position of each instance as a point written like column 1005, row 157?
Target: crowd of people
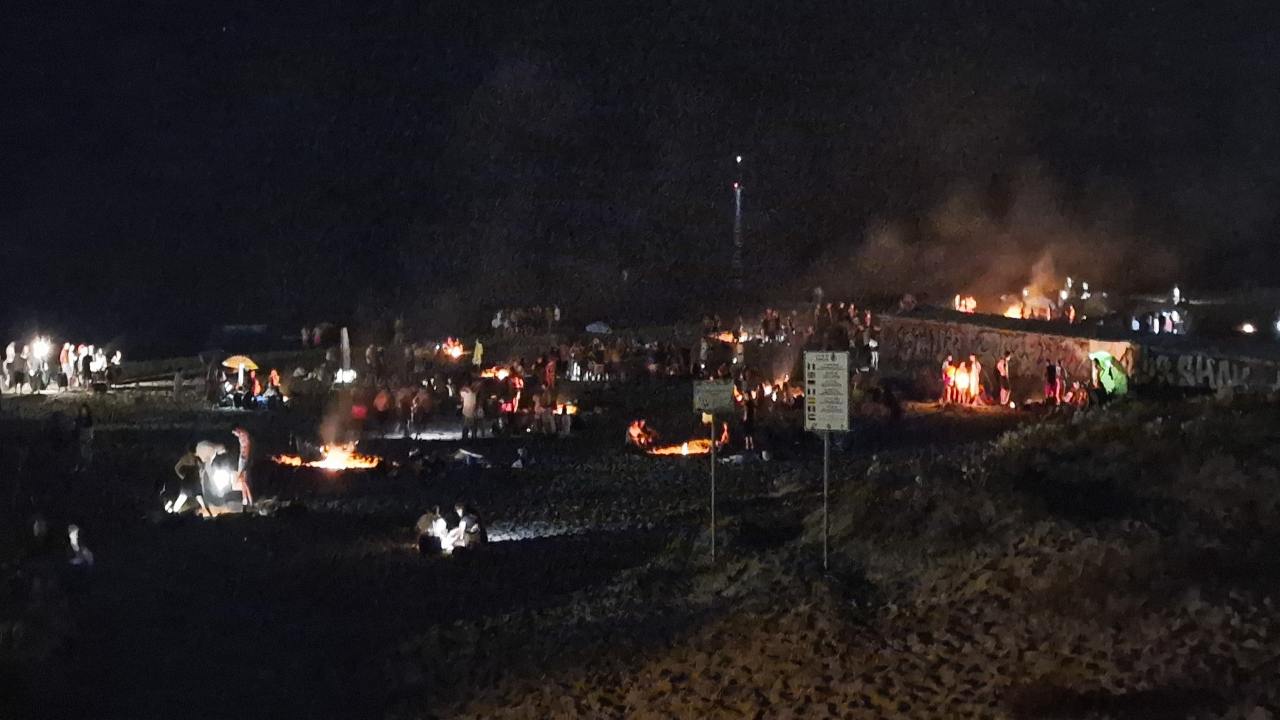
column 246, row 390
column 963, row 383
column 526, row 320
column 32, row 367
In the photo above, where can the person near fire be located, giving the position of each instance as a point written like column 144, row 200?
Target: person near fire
column 1050, row 383
column 1060, row 373
column 749, row 421
column 974, row 391
column 242, row 467
column 471, row 412
column 948, row 381
column 1002, row 378
column 640, row 435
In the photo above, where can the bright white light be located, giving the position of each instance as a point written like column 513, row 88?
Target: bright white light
column 1248, row 328
column 739, row 159
column 1062, row 295
column 220, row 481
column 345, row 376
column 40, row 348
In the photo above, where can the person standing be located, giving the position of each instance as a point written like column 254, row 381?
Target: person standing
column 948, row 380
column 749, row 421
column 1002, row 378
column 242, row 468
column 86, row 368
column 66, row 373
column 975, row 380
column 188, row 469
column 470, row 409
column 21, row 369
column 1050, row 383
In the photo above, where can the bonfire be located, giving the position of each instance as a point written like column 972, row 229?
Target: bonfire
column 335, row 457
column 693, row 447
column 453, row 348
column 499, row 373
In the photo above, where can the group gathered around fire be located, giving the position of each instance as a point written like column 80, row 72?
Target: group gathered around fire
column 963, row 382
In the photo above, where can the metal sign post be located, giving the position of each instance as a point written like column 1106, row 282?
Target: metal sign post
column 713, row 487
column 713, row 397
column 826, row 408
column 826, row 463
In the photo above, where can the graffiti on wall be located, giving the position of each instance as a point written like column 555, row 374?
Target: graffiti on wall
column 1159, row 366
column 919, row 345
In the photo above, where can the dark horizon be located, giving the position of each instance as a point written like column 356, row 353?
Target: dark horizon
column 176, row 168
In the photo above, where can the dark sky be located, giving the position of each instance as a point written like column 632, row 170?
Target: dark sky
column 169, row 166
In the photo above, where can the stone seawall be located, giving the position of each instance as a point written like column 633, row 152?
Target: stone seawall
column 914, row 347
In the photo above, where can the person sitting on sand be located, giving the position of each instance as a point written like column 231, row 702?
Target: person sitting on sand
column 469, row 532
column 640, row 435
column 433, row 532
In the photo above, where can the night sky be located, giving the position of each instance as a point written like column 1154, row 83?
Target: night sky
column 171, row 166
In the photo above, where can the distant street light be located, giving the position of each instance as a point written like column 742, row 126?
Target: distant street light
column 737, row 226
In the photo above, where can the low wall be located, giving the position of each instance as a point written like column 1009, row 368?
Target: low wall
column 914, row 346
column 1206, row 369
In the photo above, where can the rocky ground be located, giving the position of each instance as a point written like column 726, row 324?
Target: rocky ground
column 1116, row 563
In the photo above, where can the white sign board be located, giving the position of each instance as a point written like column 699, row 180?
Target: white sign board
column 715, row 397
column 826, row 391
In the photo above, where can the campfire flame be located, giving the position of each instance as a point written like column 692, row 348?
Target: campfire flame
column 338, row 457
column 1013, row 311
column 725, row 336
column 701, row 446
column 566, row 409
column 499, row 373
column 965, row 303
column 453, row 348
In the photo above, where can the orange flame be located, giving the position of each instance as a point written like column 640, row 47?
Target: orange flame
column 500, row 373
column 701, row 446
column 965, row 304
column 339, row 457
